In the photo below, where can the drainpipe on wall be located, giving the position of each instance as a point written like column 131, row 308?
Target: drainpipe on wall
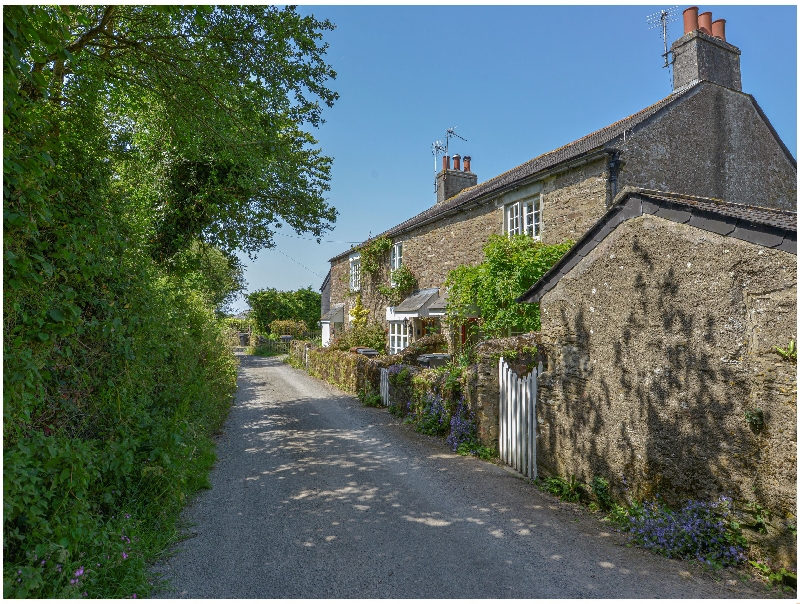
column 614, row 164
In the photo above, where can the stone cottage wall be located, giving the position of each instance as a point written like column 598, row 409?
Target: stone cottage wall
column 572, row 201
column 712, row 144
column 658, row 347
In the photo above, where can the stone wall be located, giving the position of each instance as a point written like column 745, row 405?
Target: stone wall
column 658, row 347
column 573, row 201
column 712, row 144
column 481, row 386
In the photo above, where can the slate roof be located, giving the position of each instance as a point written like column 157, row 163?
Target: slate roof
column 334, row 310
column 572, row 151
column 416, row 300
column 440, row 304
column 767, row 227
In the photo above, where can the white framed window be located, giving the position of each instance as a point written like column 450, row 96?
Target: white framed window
column 524, row 217
column 396, row 259
column 398, row 336
column 355, row 272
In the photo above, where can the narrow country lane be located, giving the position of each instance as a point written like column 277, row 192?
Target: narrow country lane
column 316, row 496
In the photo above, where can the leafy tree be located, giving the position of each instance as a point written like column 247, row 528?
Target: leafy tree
column 270, row 304
column 207, row 269
column 205, row 106
column 512, row 265
column 142, row 145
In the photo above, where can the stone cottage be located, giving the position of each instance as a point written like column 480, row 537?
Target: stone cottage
column 707, row 139
column 661, row 339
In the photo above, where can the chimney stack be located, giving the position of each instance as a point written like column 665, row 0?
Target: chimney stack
column 703, row 53
column 452, row 182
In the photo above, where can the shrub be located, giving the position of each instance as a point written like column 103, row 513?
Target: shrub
column 432, row 415
column 370, row 398
column 706, row 531
column 371, row 335
column 284, row 327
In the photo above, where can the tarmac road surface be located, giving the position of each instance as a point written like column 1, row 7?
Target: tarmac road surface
column 316, row 496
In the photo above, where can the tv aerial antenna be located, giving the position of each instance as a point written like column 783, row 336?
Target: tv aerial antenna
column 661, row 20
column 442, row 148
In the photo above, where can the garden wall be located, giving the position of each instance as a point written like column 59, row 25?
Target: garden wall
column 347, row 371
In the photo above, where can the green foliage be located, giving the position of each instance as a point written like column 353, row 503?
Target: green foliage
column 475, row 448
column 288, row 328
column 370, row 398
column 371, row 335
column 403, row 279
column 270, row 305
column 602, row 493
column 373, row 254
column 782, row 576
column 143, row 145
column 215, row 148
column 513, row 264
column 754, row 417
column 241, row 325
column 207, row 269
column 789, row 354
column 404, row 283
column 566, row 490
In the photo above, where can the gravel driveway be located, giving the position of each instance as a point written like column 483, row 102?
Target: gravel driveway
column 316, row 496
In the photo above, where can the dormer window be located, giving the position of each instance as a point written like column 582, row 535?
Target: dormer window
column 355, row 272
column 396, row 259
column 524, row 217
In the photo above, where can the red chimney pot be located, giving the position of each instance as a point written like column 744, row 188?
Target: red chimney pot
column 445, row 162
column 718, row 29
column 467, row 159
column 456, row 162
column 690, row 19
column 704, row 20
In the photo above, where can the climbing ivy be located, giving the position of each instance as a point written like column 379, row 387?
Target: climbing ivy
column 372, row 254
column 404, row 282
column 513, row 264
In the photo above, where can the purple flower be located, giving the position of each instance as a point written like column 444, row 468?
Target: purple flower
column 79, row 572
column 124, row 555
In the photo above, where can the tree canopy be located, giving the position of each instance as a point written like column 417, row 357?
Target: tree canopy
column 270, row 305
column 198, row 111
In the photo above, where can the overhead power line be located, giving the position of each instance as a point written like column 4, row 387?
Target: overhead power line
column 303, row 265
column 309, row 239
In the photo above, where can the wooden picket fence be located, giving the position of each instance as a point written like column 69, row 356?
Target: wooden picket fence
column 518, row 419
column 385, row 387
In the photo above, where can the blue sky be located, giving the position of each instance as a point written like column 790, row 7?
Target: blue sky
column 516, row 81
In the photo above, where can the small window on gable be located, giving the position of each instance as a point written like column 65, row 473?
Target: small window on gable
column 396, row 260
column 355, row 272
column 524, row 217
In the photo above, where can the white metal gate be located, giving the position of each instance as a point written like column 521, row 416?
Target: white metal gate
column 385, row 387
column 518, row 419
